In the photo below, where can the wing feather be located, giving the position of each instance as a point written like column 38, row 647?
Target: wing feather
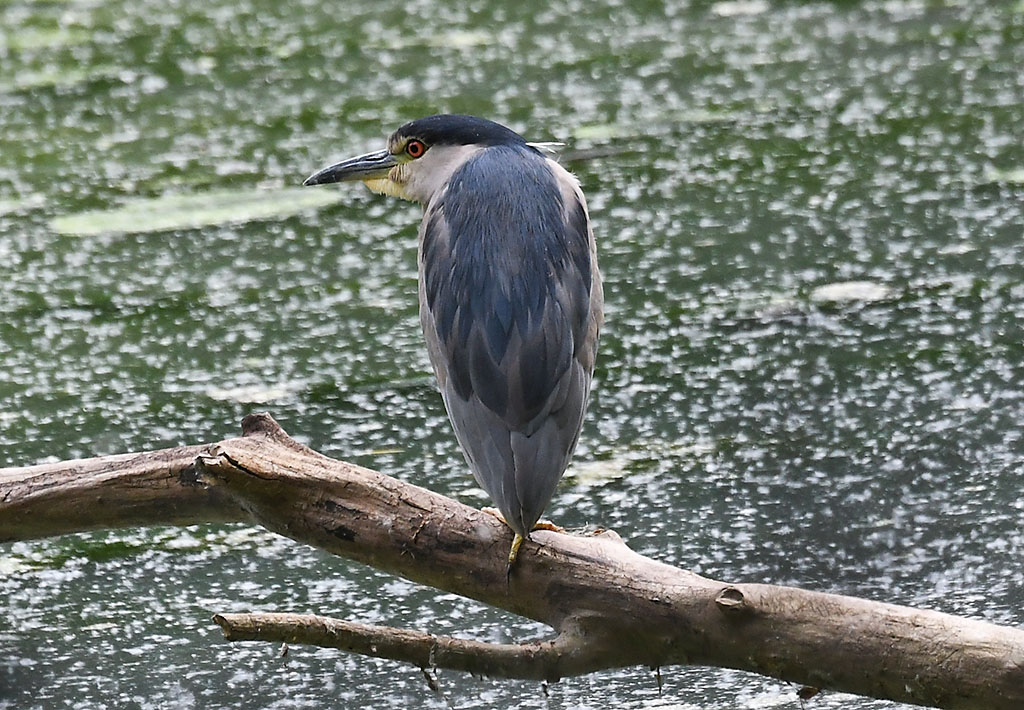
column 510, row 303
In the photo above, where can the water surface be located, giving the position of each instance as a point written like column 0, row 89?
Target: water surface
column 755, row 418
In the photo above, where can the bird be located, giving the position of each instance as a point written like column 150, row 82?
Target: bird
column 510, row 297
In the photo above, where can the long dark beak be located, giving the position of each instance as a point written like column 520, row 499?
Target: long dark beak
column 363, row 167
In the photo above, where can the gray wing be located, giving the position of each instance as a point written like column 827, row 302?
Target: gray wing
column 510, row 303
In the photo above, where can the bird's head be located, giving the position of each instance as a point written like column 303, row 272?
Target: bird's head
column 421, row 156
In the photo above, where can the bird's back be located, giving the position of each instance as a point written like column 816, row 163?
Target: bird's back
column 510, row 302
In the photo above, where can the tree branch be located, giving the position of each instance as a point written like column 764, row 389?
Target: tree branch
column 124, row 490
column 566, row 654
column 610, row 606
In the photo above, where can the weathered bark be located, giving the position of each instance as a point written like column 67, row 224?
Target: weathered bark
column 609, row 606
column 123, row 490
column 567, row 654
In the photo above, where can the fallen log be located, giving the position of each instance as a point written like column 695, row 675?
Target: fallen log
column 609, row 606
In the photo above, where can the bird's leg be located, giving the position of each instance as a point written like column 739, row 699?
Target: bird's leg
column 513, row 553
column 517, row 541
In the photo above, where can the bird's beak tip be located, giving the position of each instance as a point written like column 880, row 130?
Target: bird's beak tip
column 362, row 167
column 369, row 166
column 322, row 177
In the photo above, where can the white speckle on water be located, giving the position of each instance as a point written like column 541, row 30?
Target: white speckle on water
column 254, row 394
column 733, row 8
column 850, row 292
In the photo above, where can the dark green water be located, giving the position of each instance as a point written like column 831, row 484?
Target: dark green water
column 745, row 424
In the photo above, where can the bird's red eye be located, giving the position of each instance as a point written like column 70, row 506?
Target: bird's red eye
column 415, row 149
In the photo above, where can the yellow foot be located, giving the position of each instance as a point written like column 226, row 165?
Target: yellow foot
column 517, row 542
column 547, row 525
column 513, row 553
column 539, row 525
column 495, row 512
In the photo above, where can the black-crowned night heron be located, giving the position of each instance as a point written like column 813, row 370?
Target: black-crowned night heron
column 510, row 296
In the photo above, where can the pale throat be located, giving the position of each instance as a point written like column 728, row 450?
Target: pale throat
column 387, row 186
column 392, row 184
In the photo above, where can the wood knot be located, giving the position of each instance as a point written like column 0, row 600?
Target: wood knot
column 731, row 601
column 189, row 475
column 261, row 423
column 208, row 459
